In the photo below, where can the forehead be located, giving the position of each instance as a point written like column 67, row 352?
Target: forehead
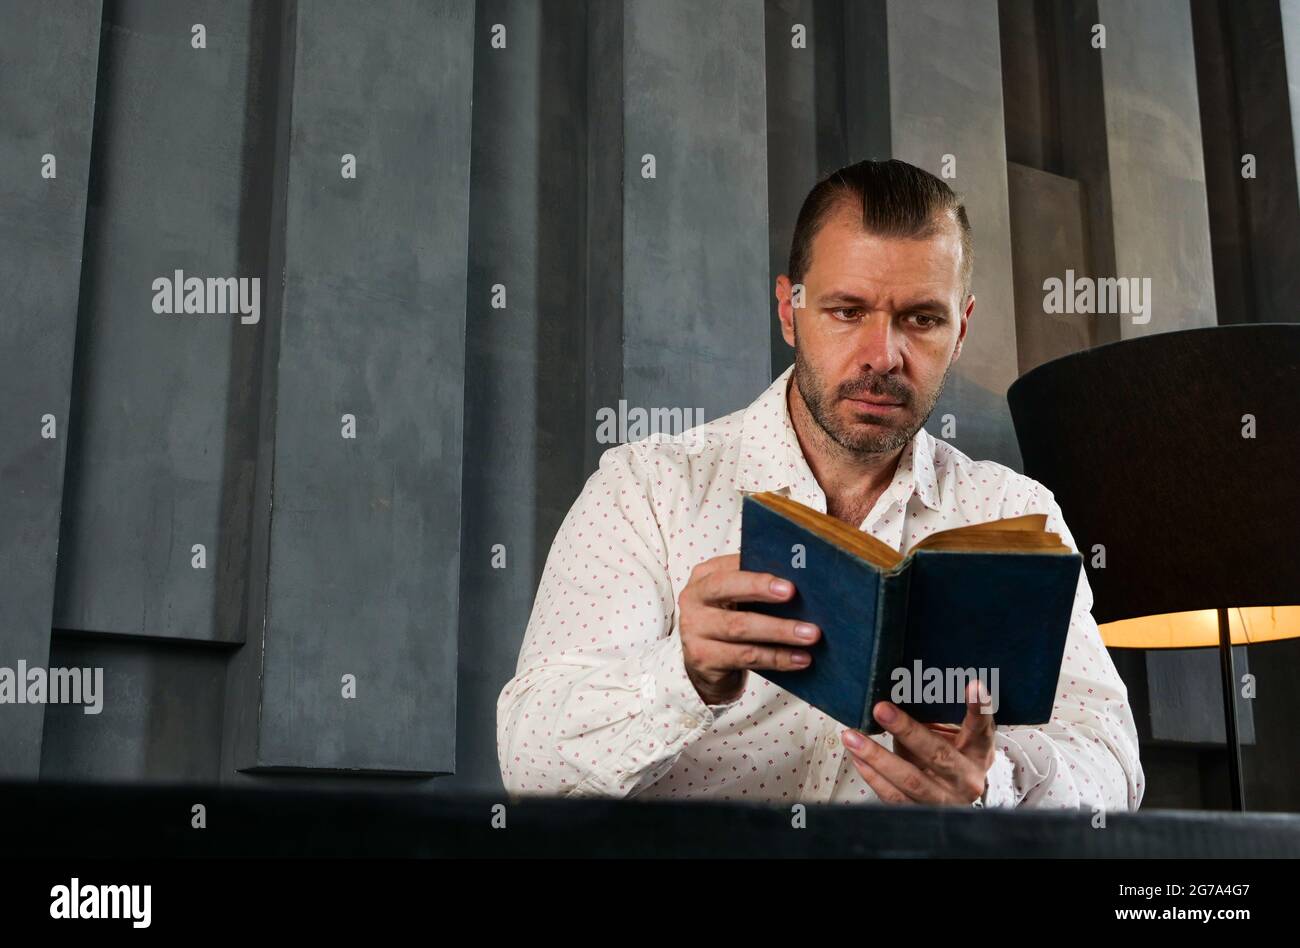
column 843, row 251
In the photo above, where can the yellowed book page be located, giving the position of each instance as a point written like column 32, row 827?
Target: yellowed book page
column 833, row 531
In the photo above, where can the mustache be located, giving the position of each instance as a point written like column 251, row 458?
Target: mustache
column 880, row 387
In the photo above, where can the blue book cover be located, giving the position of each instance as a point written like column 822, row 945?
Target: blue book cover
column 910, row 629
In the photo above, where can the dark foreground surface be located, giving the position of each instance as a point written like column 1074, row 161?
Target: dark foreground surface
column 133, row 822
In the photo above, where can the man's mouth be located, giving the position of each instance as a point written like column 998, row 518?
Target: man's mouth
column 872, row 403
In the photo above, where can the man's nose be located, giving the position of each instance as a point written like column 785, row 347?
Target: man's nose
column 877, row 343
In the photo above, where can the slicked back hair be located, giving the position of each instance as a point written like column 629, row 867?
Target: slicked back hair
column 897, row 200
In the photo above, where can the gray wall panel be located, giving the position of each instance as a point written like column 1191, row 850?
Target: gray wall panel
column 1290, row 13
column 161, row 713
column 525, row 423
column 602, row 343
column 1246, row 110
column 695, row 307
column 364, row 533
column 145, row 480
column 1048, row 233
column 47, row 100
column 1157, row 172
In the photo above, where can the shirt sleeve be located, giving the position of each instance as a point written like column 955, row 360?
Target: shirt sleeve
column 1087, row 755
column 601, row 704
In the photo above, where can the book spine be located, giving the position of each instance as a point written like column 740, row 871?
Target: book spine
column 891, row 634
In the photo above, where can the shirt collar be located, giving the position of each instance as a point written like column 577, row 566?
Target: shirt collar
column 771, row 459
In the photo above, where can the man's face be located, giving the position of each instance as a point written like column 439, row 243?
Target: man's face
column 882, row 322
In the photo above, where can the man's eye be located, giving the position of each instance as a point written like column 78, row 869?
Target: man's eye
column 846, row 313
column 926, row 321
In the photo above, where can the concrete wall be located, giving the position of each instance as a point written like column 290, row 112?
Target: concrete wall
column 48, row 103
column 1157, row 169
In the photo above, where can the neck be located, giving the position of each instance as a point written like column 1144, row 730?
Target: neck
column 852, row 482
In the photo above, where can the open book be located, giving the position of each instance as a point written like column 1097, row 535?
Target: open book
column 989, row 600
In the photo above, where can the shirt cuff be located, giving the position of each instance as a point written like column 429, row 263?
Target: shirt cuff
column 1000, row 787
column 668, row 695
column 669, row 714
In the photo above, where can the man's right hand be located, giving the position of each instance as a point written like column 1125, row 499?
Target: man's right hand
column 720, row 642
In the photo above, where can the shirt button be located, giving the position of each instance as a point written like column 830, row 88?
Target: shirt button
column 832, row 741
column 689, row 722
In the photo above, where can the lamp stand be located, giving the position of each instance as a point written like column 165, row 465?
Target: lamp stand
column 1230, row 711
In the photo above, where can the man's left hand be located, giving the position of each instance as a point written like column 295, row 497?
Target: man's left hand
column 928, row 764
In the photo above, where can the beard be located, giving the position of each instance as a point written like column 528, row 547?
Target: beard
column 869, row 433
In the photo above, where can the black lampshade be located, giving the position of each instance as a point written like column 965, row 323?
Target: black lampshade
column 1144, row 444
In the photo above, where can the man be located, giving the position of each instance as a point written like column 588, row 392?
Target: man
column 637, row 672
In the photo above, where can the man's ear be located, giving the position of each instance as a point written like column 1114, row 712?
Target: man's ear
column 785, row 308
column 966, row 313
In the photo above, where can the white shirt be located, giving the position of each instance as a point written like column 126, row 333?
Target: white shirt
column 601, row 703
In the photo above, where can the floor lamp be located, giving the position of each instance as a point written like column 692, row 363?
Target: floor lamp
column 1175, row 458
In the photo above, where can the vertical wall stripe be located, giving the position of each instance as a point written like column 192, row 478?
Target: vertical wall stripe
column 362, row 583
column 47, row 98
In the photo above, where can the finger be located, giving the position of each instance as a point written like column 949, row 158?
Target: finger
column 756, row 657
column 902, row 751
column 738, row 625
column 905, row 776
column 887, row 792
column 724, row 587
column 944, row 730
column 948, row 732
column 977, row 729
column 727, row 561
column 932, row 752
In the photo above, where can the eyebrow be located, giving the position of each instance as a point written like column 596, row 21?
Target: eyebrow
column 841, row 296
